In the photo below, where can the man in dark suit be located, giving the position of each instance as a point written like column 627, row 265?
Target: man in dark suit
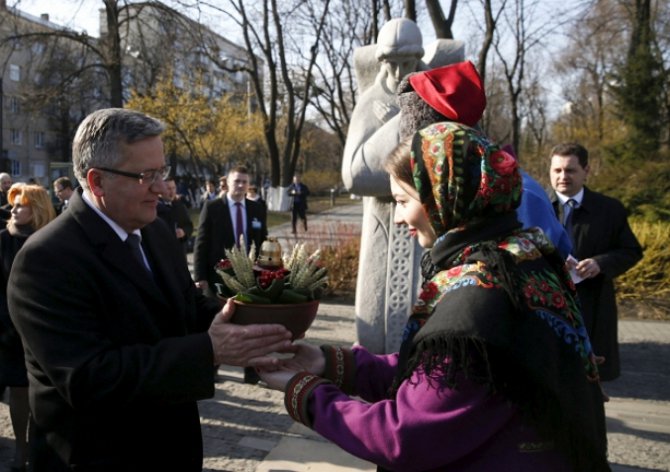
column 218, row 228
column 63, row 190
column 119, row 344
column 175, row 214
column 299, row 192
column 222, row 222
column 5, row 207
column 603, row 248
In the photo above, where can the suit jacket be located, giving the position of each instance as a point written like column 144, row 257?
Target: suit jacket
column 175, row 214
column 116, row 358
column 600, row 230
column 215, row 234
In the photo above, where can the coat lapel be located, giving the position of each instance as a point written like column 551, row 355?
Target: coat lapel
column 111, row 249
column 161, row 255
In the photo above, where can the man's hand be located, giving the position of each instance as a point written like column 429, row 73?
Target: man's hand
column 246, row 345
column 587, row 268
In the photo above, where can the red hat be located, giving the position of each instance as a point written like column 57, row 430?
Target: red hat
column 455, row 91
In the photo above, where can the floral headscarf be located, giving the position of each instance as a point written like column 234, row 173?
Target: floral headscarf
column 461, row 176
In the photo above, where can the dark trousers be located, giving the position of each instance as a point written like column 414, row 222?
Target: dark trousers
column 298, row 211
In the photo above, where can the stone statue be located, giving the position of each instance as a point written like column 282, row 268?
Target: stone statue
column 388, row 274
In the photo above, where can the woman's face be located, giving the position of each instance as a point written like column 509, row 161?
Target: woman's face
column 409, row 212
column 21, row 214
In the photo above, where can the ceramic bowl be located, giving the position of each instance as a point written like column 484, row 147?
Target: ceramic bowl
column 297, row 317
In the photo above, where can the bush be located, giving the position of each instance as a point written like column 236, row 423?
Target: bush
column 647, row 282
column 342, row 263
column 320, row 182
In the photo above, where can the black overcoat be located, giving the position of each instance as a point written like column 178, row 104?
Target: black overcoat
column 600, row 231
column 117, row 358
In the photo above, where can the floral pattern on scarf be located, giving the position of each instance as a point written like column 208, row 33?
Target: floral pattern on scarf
column 461, row 175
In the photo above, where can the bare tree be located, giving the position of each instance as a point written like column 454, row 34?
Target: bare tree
column 283, row 96
column 526, row 27
column 105, row 53
column 345, row 29
column 442, row 24
column 586, row 65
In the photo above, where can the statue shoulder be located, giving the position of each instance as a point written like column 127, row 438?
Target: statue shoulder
column 444, row 51
column 366, row 66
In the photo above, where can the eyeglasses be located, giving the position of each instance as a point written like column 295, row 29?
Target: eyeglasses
column 150, row 176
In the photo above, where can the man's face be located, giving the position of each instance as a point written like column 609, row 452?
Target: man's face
column 5, row 183
column 170, row 190
column 62, row 193
column 238, row 185
column 567, row 175
column 125, row 200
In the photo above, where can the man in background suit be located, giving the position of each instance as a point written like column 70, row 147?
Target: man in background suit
column 603, row 244
column 5, row 207
column 222, row 221
column 175, row 214
column 63, row 190
column 218, row 228
column 119, row 344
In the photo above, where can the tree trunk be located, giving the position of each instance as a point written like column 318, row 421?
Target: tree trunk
column 113, row 53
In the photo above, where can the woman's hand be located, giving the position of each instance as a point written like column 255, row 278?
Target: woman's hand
column 276, row 379
column 306, row 358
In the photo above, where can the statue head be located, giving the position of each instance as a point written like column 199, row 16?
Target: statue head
column 399, row 49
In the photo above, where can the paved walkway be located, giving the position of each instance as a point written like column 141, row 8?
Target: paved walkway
column 246, row 428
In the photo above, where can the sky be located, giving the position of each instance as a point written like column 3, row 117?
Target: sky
column 84, row 15
column 76, row 14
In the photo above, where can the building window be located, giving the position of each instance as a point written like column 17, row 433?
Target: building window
column 39, row 139
column 14, row 72
column 38, row 48
column 15, row 105
column 15, row 167
column 15, row 136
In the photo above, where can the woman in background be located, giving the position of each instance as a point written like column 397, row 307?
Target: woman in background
column 31, row 210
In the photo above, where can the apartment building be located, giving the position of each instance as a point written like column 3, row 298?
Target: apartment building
column 157, row 39
column 44, row 94
column 25, row 132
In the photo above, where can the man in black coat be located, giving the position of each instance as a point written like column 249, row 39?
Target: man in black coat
column 299, row 192
column 175, row 214
column 119, row 344
column 218, row 229
column 603, row 247
column 5, row 207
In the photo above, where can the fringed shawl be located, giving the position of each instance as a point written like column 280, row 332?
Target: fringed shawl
column 497, row 306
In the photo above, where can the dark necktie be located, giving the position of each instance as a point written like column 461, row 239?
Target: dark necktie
column 568, row 212
column 133, row 242
column 239, row 223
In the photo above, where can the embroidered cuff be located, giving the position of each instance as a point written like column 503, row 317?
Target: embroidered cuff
column 297, row 393
column 340, row 367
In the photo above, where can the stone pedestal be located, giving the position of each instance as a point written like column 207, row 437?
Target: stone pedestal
column 388, row 278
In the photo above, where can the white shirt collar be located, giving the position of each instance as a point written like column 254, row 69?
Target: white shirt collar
column 578, row 197
column 122, row 233
column 231, row 202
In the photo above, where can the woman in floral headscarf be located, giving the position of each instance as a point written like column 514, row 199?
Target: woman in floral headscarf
column 495, row 370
